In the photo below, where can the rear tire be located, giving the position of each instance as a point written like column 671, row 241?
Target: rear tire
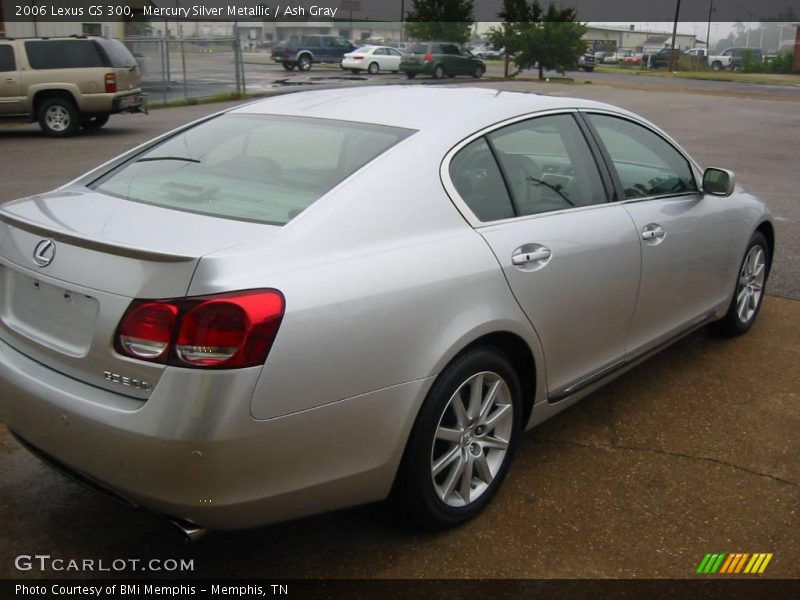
column 58, row 117
column 410, row 75
column 479, row 71
column 748, row 295
column 304, row 63
column 438, row 72
column 288, row 66
column 373, row 68
column 462, row 442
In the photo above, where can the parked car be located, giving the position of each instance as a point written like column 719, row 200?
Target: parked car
column 587, row 62
column 634, row 59
column 601, row 55
column 440, row 59
column 67, row 83
column 660, row 59
column 736, row 58
column 372, row 59
column 261, row 315
column 303, row 52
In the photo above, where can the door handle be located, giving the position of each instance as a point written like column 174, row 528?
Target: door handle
column 653, row 232
column 523, row 258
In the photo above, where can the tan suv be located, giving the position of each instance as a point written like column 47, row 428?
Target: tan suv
column 67, row 83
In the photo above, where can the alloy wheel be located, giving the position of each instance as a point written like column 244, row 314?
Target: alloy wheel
column 751, row 283
column 472, row 439
column 57, row 118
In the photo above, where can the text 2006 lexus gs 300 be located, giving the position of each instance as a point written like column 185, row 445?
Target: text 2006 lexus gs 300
column 284, row 309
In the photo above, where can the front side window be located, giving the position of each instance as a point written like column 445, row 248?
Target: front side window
column 548, row 165
column 260, row 168
column 647, row 165
column 7, row 58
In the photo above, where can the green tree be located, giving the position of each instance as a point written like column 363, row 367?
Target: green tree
column 519, row 19
column 553, row 43
column 447, row 20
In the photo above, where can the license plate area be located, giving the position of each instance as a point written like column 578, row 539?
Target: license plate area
column 130, row 101
column 50, row 315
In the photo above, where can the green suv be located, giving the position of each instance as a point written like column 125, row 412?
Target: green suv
column 440, row 59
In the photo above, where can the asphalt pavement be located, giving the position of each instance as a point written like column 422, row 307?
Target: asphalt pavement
column 694, row 451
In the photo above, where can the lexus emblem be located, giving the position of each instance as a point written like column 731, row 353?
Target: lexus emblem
column 44, row 253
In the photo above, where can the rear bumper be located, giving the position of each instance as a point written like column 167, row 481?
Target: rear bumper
column 131, row 103
column 193, row 450
column 425, row 69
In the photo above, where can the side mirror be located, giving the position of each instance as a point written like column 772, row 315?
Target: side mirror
column 719, row 182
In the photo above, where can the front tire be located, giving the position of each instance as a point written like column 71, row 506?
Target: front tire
column 462, row 443
column 58, row 117
column 716, row 66
column 479, row 71
column 749, row 292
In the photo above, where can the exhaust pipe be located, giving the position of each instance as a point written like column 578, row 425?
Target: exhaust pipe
column 191, row 532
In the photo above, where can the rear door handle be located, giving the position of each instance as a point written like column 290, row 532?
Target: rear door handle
column 523, row 258
column 654, row 231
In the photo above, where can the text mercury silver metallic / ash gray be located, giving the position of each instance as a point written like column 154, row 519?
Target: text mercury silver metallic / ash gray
column 285, row 309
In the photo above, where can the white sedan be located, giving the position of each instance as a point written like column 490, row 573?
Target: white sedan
column 372, row 59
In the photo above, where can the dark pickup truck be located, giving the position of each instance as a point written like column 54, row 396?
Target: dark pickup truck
column 305, row 51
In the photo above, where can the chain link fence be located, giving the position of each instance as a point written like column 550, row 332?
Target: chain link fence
column 187, row 68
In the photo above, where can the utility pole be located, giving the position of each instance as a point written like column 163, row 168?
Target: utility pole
column 671, row 64
column 708, row 33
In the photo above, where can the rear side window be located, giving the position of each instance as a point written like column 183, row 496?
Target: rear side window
column 260, row 168
column 7, row 58
column 116, row 52
column 548, row 165
column 63, row 54
column 477, row 179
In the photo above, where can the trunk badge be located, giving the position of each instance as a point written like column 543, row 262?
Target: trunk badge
column 44, row 253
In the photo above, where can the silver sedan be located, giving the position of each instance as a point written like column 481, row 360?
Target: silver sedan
column 285, row 309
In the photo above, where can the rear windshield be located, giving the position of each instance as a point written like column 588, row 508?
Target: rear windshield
column 418, row 48
column 63, row 54
column 118, row 55
column 261, row 168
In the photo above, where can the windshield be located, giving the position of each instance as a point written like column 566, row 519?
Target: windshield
column 259, row 168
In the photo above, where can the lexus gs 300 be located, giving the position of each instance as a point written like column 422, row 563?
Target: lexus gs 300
column 285, row 309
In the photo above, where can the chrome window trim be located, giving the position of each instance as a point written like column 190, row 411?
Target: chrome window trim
column 696, row 169
column 463, row 207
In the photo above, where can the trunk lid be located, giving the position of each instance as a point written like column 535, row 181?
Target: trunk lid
column 71, row 261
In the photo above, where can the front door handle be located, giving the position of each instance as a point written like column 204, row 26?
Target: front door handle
column 653, row 232
column 523, row 258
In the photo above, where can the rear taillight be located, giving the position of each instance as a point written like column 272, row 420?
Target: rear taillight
column 428, row 57
column 223, row 331
column 146, row 330
column 359, row 57
column 111, row 83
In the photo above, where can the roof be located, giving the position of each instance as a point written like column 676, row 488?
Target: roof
column 451, row 111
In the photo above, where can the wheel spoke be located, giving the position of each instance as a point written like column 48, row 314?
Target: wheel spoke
column 458, row 409
column 475, row 395
column 495, row 443
column 452, row 478
column 482, row 467
column 449, row 435
column 449, row 457
column 501, row 413
column 466, row 478
column 488, row 402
